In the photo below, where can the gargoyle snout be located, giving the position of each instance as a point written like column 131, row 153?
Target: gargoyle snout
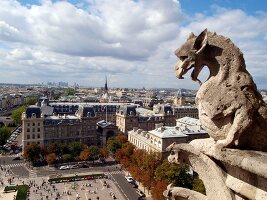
column 179, row 69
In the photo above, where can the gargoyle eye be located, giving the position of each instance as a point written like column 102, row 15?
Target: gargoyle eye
column 172, row 153
column 182, row 58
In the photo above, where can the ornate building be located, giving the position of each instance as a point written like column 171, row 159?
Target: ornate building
column 186, row 130
column 131, row 116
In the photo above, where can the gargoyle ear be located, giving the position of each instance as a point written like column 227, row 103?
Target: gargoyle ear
column 191, row 35
column 201, row 41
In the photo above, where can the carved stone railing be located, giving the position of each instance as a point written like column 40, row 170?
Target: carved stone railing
column 228, row 174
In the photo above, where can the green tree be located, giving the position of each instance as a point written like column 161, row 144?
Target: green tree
column 69, row 91
column 16, row 114
column 94, row 150
column 67, row 158
column 198, row 185
column 32, row 101
column 4, row 135
column 75, row 148
column 32, row 153
column 176, row 174
column 113, row 145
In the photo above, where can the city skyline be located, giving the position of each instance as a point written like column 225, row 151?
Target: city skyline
column 132, row 42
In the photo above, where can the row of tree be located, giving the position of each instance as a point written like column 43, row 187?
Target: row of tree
column 56, row 153
column 154, row 172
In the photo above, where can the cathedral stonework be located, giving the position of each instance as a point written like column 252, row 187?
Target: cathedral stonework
column 232, row 163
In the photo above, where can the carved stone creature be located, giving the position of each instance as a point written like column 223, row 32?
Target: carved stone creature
column 230, row 107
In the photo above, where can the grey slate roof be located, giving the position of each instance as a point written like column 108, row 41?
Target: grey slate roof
column 33, row 110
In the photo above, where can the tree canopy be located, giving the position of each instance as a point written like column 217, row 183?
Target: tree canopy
column 4, row 135
column 16, row 114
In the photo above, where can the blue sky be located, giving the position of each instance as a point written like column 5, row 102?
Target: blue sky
column 132, row 42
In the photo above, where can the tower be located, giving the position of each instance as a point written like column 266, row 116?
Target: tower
column 105, row 96
column 106, row 86
column 180, row 98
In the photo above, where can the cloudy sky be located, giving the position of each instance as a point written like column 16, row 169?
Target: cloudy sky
column 130, row 41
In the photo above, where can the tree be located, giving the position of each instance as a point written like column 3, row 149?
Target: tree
column 176, row 174
column 51, row 158
column 198, row 185
column 75, row 148
column 85, row 155
column 67, row 158
column 158, row 188
column 121, row 138
column 17, row 113
column 94, row 150
column 113, row 145
column 32, row 101
column 69, row 92
column 4, row 135
column 32, row 153
column 54, row 148
column 104, row 152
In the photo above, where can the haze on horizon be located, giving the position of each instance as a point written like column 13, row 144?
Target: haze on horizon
column 130, row 41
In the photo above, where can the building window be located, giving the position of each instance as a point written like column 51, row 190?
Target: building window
column 28, row 137
column 33, row 136
column 38, row 135
column 33, row 129
column 28, row 130
column 33, row 124
column 38, row 123
column 28, row 124
column 28, row 143
column 38, row 142
column 38, row 129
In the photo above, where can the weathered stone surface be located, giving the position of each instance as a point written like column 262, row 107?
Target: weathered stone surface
column 230, row 107
column 178, row 193
column 227, row 173
column 233, row 162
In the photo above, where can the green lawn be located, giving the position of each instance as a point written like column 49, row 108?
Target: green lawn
column 22, row 191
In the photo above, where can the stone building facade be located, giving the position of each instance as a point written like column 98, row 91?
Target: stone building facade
column 128, row 117
column 161, row 137
column 65, row 123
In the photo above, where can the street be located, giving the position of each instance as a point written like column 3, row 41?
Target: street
column 20, row 169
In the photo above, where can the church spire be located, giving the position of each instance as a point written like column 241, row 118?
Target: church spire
column 106, row 85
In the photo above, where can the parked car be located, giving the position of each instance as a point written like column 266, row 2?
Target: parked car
column 140, row 193
column 134, row 185
column 63, row 167
column 84, row 166
column 73, row 166
column 17, row 158
column 129, row 179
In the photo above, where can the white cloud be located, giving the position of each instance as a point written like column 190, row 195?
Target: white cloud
column 132, row 42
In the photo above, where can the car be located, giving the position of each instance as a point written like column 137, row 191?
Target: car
column 17, row 158
column 73, row 166
column 129, row 179
column 134, row 185
column 84, row 166
column 63, row 167
column 140, row 193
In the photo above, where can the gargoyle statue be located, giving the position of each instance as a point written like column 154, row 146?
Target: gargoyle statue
column 230, row 107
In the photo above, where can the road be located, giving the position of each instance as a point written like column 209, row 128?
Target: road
column 125, row 187
column 18, row 167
